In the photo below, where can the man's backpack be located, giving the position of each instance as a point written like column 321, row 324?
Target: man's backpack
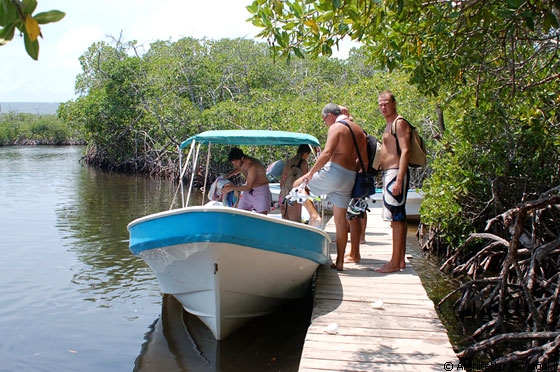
column 373, row 149
column 417, row 147
column 374, row 160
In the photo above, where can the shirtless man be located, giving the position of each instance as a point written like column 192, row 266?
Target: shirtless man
column 395, row 179
column 256, row 193
column 335, row 171
column 357, row 225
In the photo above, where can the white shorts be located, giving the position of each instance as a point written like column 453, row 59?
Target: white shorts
column 336, row 182
column 394, row 207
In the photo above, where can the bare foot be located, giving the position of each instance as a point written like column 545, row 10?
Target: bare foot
column 363, row 241
column 333, row 266
column 339, row 263
column 351, row 259
column 387, row 269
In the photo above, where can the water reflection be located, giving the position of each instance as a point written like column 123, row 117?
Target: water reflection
column 179, row 341
column 71, row 291
column 437, row 286
column 73, row 297
column 94, row 222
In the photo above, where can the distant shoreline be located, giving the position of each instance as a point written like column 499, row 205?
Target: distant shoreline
column 37, row 108
column 26, row 142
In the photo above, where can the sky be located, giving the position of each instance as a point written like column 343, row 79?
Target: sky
column 52, row 77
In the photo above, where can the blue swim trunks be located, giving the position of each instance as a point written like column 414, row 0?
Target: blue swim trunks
column 394, row 207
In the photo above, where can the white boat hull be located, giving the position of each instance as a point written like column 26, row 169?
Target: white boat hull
column 274, row 191
column 225, row 265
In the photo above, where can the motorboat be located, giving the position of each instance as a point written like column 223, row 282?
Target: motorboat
column 226, row 265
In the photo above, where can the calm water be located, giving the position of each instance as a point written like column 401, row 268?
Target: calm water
column 72, row 296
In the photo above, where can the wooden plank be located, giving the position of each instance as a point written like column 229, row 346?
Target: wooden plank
column 381, row 354
column 404, row 335
column 326, row 342
column 323, row 309
column 396, row 364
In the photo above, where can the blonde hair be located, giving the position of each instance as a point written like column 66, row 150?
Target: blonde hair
column 388, row 94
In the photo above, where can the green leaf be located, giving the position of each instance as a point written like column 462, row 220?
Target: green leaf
column 297, row 9
column 32, row 47
column 323, row 6
column 290, row 26
column 50, row 16
column 258, row 23
column 298, row 53
column 530, row 23
column 506, row 13
column 325, row 17
column 286, row 38
column 265, row 19
column 550, row 21
column 8, row 14
column 29, row 6
column 514, row 4
column 7, row 33
column 326, row 50
column 400, row 6
column 278, row 38
column 278, row 7
column 253, row 8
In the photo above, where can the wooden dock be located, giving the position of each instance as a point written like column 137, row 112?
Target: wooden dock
column 404, row 335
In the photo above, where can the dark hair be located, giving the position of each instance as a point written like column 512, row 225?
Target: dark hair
column 235, row 154
column 303, row 149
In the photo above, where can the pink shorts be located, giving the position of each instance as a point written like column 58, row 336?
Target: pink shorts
column 258, row 199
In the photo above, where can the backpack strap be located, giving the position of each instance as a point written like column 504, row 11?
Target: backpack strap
column 355, row 144
column 394, row 131
column 394, row 125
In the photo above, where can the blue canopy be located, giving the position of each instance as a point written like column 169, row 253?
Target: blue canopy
column 252, row 137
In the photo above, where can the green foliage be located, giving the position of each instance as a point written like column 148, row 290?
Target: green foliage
column 493, row 68
column 37, row 129
column 444, row 191
column 493, row 156
column 451, row 42
column 137, row 108
column 494, row 147
column 15, row 14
